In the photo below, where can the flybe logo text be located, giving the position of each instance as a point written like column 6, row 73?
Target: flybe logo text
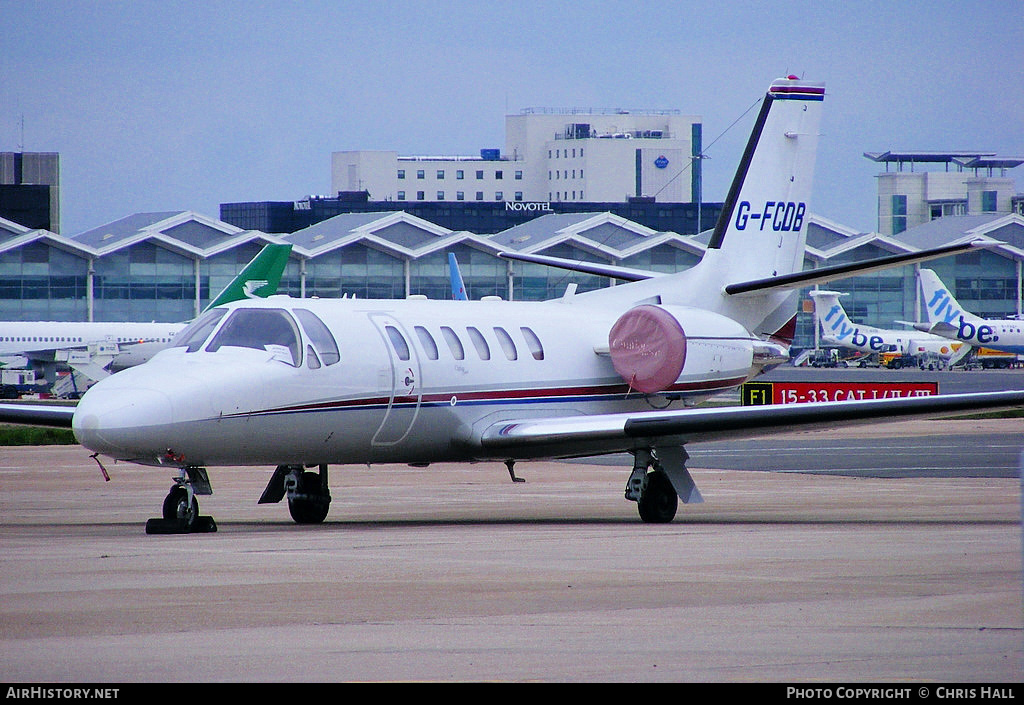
column 782, row 216
column 941, row 307
column 841, row 327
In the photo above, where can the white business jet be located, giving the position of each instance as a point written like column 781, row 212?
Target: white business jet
column 302, row 384
column 946, row 317
column 838, row 329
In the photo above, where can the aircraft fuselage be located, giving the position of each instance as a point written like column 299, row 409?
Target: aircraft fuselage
column 415, row 381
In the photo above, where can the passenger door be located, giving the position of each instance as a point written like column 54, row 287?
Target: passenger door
column 403, row 378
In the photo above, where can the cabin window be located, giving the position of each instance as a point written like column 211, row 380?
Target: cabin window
column 268, row 329
column 482, row 349
column 398, row 343
column 533, row 342
column 320, row 335
column 505, row 341
column 427, row 341
column 454, row 344
column 192, row 336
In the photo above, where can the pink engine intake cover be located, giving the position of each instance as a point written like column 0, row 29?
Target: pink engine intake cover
column 648, row 348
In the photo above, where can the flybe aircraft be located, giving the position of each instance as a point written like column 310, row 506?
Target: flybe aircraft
column 302, row 384
column 124, row 344
column 838, row 329
column 948, row 318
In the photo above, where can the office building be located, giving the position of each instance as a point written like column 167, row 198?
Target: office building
column 550, row 155
column 30, row 189
column 918, row 187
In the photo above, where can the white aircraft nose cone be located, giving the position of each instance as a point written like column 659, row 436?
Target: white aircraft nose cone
column 121, row 422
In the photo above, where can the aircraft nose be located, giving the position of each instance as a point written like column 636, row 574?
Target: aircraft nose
column 120, row 422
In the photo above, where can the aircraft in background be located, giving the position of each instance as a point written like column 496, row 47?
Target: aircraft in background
column 301, row 384
column 458, row 286
column 97, row 348
column 947, row 318
column 838, row 329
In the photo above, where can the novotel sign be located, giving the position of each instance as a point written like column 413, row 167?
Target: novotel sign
column 528, row 206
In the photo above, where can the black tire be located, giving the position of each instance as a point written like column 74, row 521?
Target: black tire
column 312, row 503
column 659, row 500
column 175, row 508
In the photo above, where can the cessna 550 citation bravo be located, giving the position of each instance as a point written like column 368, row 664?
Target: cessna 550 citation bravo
column 302, row 384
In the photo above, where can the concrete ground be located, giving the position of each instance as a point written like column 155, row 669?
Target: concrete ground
column 454, row 573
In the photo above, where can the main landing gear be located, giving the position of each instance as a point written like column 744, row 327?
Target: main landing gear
column 309, row 498
column 180, row 513
column 658, row 481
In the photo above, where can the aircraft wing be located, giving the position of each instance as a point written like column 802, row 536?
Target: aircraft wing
column 590, row 435
column 56, row 415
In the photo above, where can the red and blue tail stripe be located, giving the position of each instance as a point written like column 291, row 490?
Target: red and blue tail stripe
column 792, row 88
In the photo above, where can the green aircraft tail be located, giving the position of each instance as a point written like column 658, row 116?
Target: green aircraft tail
column 259, row 278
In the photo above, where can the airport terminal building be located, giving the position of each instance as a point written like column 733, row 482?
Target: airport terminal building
column 615, row 187
column 167, row 266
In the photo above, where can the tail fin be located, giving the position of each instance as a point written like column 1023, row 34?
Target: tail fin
column 941, row 307
column 831, row 315
column 761, row 231
column 838, row 329
column 259, row 278
column 458, row 286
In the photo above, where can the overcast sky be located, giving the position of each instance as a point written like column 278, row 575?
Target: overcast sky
column 167, row 105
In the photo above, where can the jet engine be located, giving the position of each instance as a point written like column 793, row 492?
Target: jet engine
column 654, row 347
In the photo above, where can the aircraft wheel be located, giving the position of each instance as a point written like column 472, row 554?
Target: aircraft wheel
column 312, row 505
column 176, row 507
column 658, row 503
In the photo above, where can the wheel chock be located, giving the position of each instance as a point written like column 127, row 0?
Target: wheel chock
column 202, row 525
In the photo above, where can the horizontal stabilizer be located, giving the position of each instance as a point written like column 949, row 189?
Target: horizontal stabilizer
column 943, row 329
column 604, row 270
column 799, row 280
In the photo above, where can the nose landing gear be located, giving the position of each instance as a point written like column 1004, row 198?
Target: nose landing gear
column 180, row 514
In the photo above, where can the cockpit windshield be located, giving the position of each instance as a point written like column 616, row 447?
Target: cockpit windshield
column 192, row 336
column 262, row 329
